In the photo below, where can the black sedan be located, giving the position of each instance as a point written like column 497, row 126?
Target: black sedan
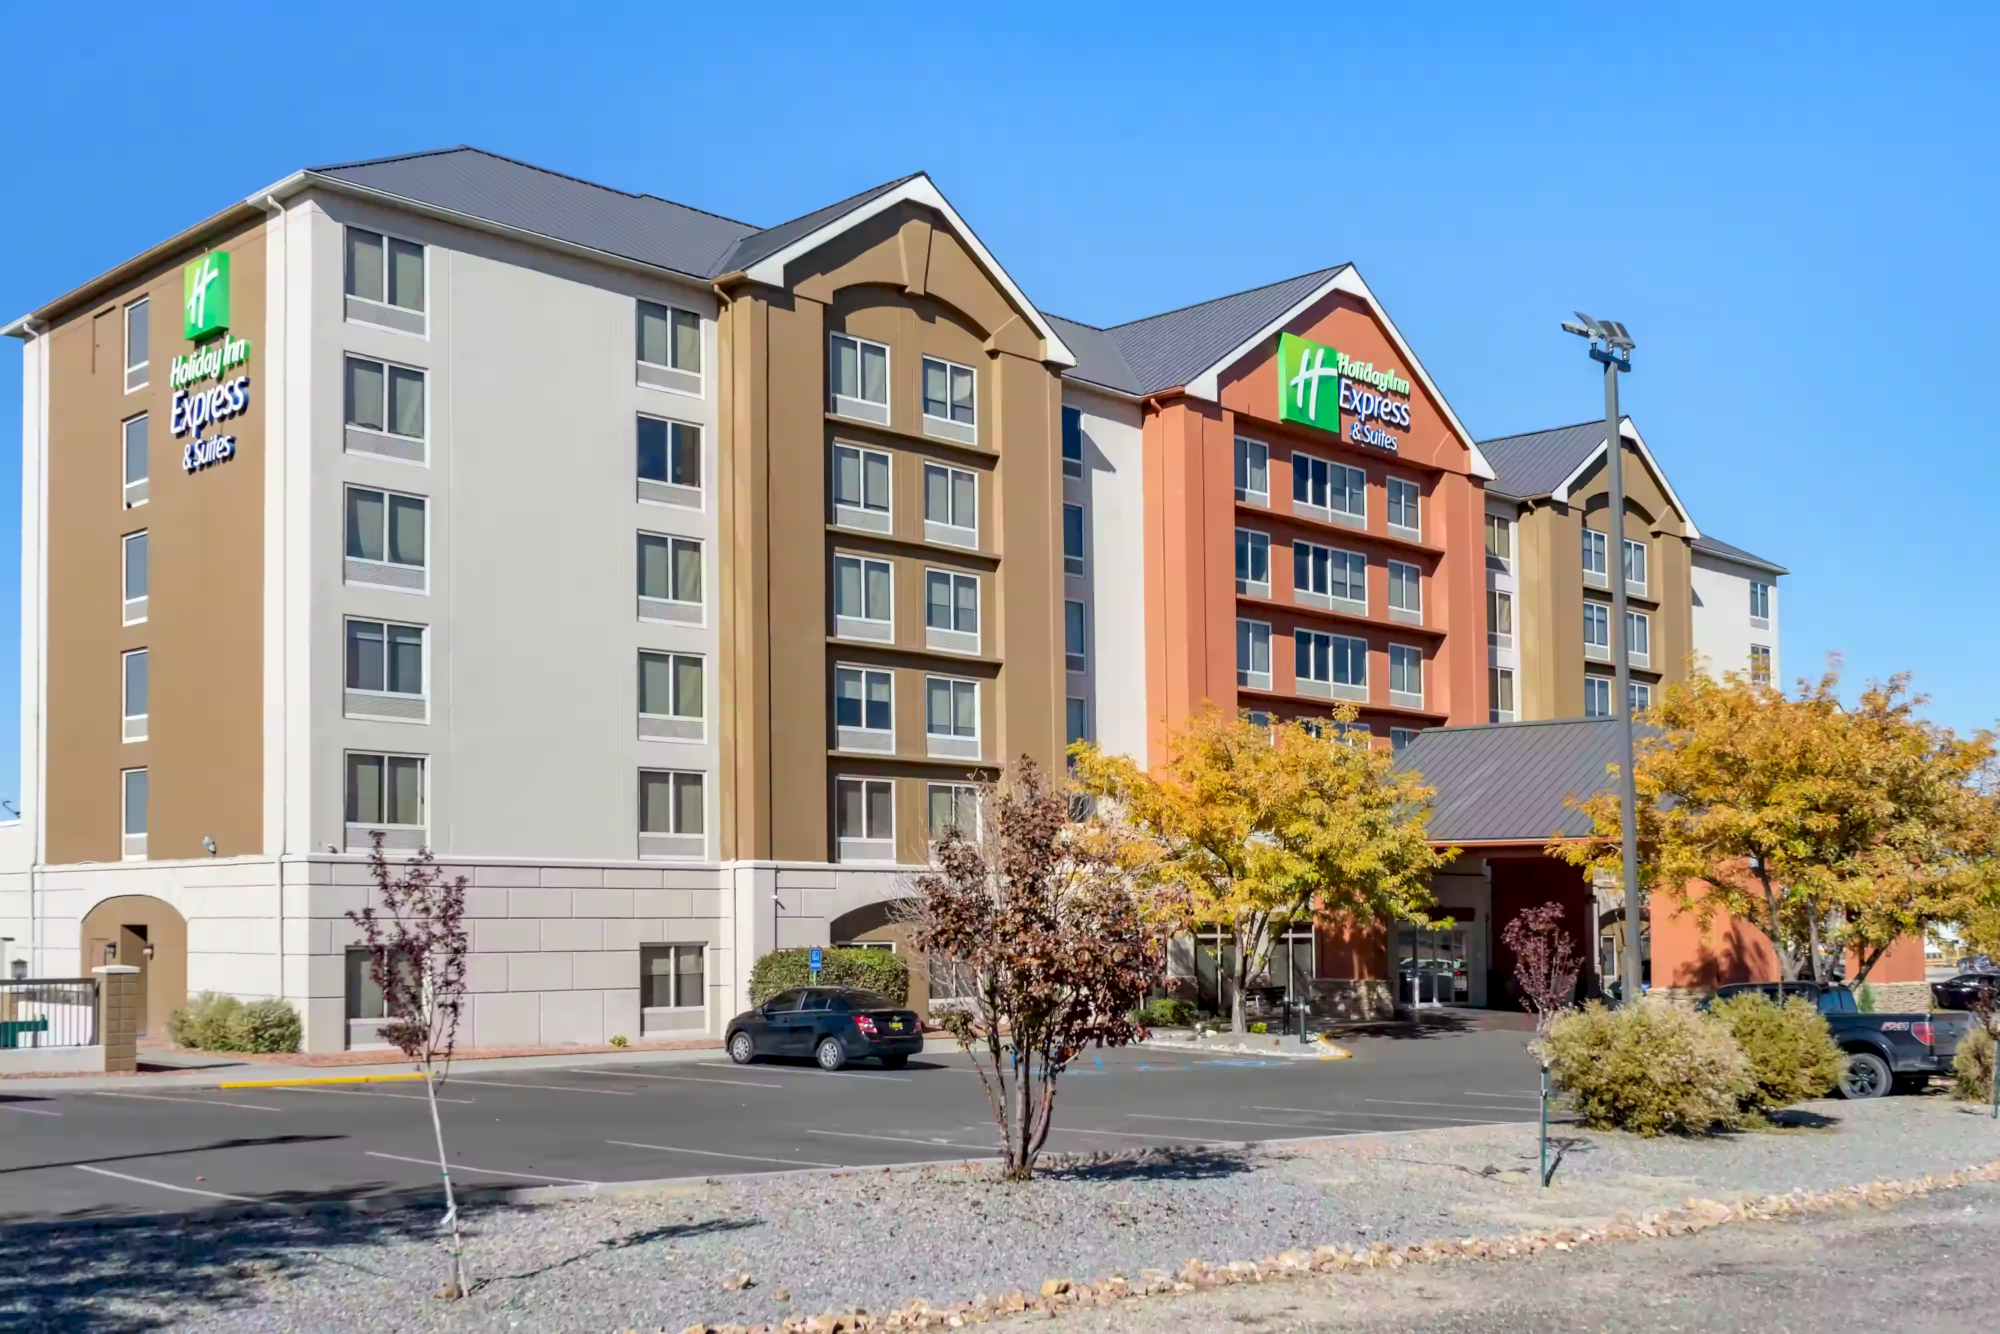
column 1965, row 992
column 833, row 1025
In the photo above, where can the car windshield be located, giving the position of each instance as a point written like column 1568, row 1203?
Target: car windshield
column 867, row 1000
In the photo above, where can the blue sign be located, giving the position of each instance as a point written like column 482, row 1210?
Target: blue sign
column 813, row 959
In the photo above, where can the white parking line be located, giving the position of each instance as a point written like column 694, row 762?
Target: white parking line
column 1464, row 1106
column 1475, row 1093
column 164, row 1185
column 711, row 1153
column 1371, row 1116
column 814, row 1073
column 1120, row 1134
column 198, row 1102
column 31, row 1111
column 1222, row 1121
column 903, row 1139
column 678, row 1079
column 553, row 1088
column 378, row 1093
column 484, row 1171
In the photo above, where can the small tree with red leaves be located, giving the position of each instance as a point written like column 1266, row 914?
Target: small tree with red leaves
column 415, row 936
column 1040, row 918
column 1546, row 962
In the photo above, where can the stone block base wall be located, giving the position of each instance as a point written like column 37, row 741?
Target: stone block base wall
column 1353, row 998
column 1901, row 997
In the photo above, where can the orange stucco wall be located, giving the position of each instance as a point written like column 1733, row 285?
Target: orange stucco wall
column 1731, row 949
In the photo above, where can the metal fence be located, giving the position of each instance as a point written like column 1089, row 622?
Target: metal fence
column 48, row 1012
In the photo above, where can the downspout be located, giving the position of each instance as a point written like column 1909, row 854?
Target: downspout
column 34, row 823
column 283, row 221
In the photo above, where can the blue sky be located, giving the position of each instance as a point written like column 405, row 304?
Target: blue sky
column 1792, row 206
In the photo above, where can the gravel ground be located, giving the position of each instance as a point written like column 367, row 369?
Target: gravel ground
column 879, row 1238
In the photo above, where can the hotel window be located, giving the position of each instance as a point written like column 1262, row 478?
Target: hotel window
column 864, row 819
column 669, row 462
column 674, row 977
column 1640, row 697
column 385, row 659
column 952, row 806
column 861, row 488
column 1334, row 487
column 135, row 692
column 1760, row 606
column 670, row 696
column 1597, row 697
column 136, row 579
column 1406, row 675
column 1638, row 637
column 1597, row 631
column 1076, row 720
column 669, row 578
column 1406, row 592
column 137, row 467
column 1076, row 641
column 1500, row 695
column 387, row 400
column 1072, row 442
column 385, row 792
column 1499, row 543
column 948, row 400
column 385, row 539
column 137, row 344
column 1253, row 471
column 860, row 377
column 668, row 348
column 951, row 505
column 864, row 712
column 1399, row 737
column 1635, row 565
column 951, row 717
column 1253, row 563
column 385, row 272
column 1336, row 664
column 862, row 605
column 1073, row 539
column 1760, row 664
column 1323, row 576
column 1595, row 571
column 1253, row 654
column 1499, row 618
column 132, row 798
column 951, row 611
column 1403, row 516
column 672, row 810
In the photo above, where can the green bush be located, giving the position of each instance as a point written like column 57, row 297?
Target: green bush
column 1790, row 1050
column 1972, row 1067
column 1260, row 1027
column 1647, row 1068
column 267, row 1026
column 215, row 1022
column 1165, row 1012
column 1864, row 999
column 876, row 970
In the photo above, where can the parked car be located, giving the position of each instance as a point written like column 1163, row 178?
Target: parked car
column 833, row 1025
column 1885, row 1052
column 1964, row 991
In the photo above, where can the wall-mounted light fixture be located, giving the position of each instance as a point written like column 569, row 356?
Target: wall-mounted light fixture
column 150, row 947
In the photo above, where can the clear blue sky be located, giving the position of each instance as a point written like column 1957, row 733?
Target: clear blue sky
column 1792, row 206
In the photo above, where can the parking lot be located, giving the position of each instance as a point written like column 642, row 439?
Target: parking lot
column 160, row 1150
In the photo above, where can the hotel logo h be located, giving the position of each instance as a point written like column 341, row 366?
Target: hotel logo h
column 205, row 295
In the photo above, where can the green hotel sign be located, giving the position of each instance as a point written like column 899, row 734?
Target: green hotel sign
column 1318, row 384
column 205, row 295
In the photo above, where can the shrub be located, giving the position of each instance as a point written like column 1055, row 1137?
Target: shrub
column 1864, row 999
column 1647, row 1068
column 1790, row 1049
column 1972, row 1067
column 1260, row 1027
column 215, row 1022
column 619, row 1040
column 267, row 1026
column 876, row 970
column 1165, row 1012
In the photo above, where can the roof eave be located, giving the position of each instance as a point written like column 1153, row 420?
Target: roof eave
column 1628, row 429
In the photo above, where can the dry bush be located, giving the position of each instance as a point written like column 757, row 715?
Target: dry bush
column 1647, row 1068
column 1790, row 1049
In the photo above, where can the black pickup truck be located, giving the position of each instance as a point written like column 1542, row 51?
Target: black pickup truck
column 1885, row 1052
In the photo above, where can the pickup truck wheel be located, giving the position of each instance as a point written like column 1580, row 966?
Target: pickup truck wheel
column 1867, row 1076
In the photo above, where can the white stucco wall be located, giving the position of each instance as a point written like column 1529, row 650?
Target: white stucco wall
column 1723, row 634
column 1113, row 494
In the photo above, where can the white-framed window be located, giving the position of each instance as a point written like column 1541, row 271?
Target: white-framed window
column 951, row 505
column 1072, row 442
column 1597, row 631
column 1406, row 592
column 133, row 796
column 859, row 375
column 669, row 578
column 1399, row 737
column 1332, row 665
column 1760, row 664
column 138, row 468
column 672, row 706
column 384, row 280
column 863, row 601
column 1638, row 637
column 951, row 717
column 1596, row 696
column 1640, row 697
column 1760, row 605
column 1499, row 618
column 1500, row 694
column 385, row 792
column 669, row 461
column 1073, row 540
column 1404, row 516
column 948, row 400
column 1499, row 543
column 135, row 678
column 1253, row 471
column 1328, row 576
column 1253, row 654
column 1076, row 636
column 1406, row 675
column 861, row 488
column 137, row 578
column 384, row 400
column 950, row 806
column 668, row 337
column 1595, row 572
column 1319, row 484
column 673, row 811
column 864, row 709
column 386, row 539
column 385, row 670
column 1253, row 563
column 864, row 819
column 951, row 611
column 1635, row 566
column 138, row 344
column 673, row 977
column 1076, row 720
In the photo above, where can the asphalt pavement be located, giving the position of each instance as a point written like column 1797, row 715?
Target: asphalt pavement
column 143, row 1149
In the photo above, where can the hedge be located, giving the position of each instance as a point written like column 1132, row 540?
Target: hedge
column 215, row 1022
column 1790, row 1049
column 874, row 970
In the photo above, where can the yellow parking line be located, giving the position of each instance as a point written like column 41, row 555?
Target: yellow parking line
column 317, row 1079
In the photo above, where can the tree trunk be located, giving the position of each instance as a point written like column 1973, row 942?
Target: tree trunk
column 1777, row 937
column 462, row 1288
column 1867, row 960
column 1238, row 1020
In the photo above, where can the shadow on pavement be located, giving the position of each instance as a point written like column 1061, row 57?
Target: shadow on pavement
column 667, row 1233
column 1189, row 1164
column 99, row 1160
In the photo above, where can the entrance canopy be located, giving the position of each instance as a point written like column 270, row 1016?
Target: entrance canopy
column 1507, row 785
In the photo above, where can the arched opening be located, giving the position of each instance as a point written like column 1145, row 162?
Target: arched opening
column 874, row 926
column 148, row 934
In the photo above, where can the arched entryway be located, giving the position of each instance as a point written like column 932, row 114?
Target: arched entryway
column 148, row 934
column 874, row 926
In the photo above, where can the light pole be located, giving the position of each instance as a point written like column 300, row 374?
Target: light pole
column 1612, row 345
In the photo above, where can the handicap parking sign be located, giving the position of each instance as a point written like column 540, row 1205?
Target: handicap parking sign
column 813, row 959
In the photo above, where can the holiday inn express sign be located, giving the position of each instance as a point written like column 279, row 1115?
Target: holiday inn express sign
column 205, row 312
column 1318, row 385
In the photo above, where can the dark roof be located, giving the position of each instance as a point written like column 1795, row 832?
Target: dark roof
column 1716, row 547
column 1098, row 360
column 1507, row 782
column 1535, row 464
column 764, row 244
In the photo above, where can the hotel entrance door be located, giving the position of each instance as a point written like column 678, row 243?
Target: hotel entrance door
column 1435, row 966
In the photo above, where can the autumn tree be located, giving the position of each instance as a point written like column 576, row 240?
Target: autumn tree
column 1040, row 918
column 1260, row 827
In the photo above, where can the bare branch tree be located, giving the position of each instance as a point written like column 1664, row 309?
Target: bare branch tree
column 1546, row 961
column 417, row 950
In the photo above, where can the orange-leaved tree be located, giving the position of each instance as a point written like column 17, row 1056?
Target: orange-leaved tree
column 1256, row 828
